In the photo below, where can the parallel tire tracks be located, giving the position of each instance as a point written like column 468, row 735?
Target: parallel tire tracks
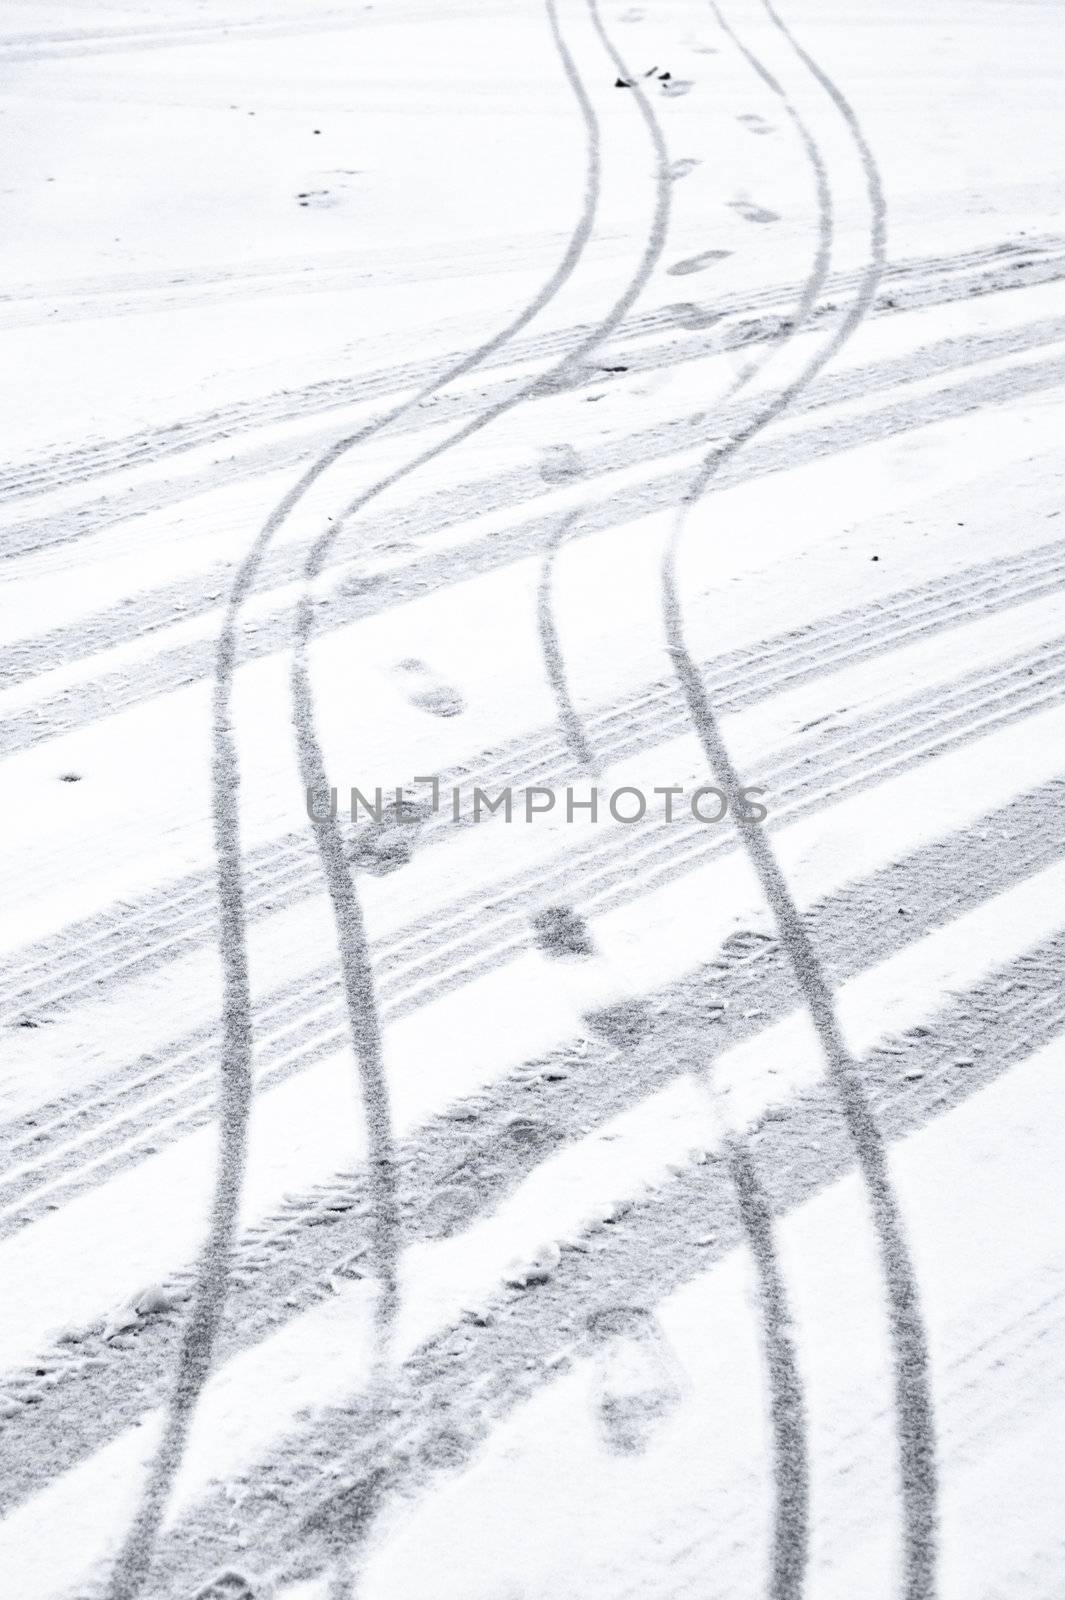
column 917, row 282
column 202, row 1325
column 370, row 591
column 305, row 1021
column 290, row 1257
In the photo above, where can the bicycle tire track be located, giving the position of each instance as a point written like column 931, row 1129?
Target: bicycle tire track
column 790, row 1537
column 443, row 565
column 360, row 997
column 522, row 1340
column 988, row 270
column 361, row 1003
column 133, row 1562
column 915, row 1415
column 438, row 513
column 569, row 1089
column 490, row 928
column 179, row 917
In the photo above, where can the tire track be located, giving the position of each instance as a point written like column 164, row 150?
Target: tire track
column 787, row 1407
column 25, row 48
column 360, row 998
column 154, row 611
column 645, row 1253
column 307, row 1018
column 961, row 277
column 522, row 1339
column 573, row 729
column 52, row 531
column 913, row 1395
column 285, row 1262
column 236, row 1084
column 116, row 946
column 371, row 592
column 136, row 940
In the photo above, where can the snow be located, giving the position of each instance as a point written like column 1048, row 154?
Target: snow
column 237, row 234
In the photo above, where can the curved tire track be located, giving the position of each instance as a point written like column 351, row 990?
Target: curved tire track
column 204, row 1320
column 116, row 946
column 644, row 1254
column 913, row 1397
column 360, row 997
column 286, row 1260
column 442, row 564
column 299, row 1023
column 991, row 269
column 787, row 1409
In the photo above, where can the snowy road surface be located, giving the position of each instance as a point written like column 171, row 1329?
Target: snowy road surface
column 549, row 400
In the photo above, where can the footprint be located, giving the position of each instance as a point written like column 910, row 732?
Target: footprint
column 681, row 168
column 559, row 463
column 532, row 1135
column 680, row 269
column 385, row 846
column 622, row 1024
column 380, row 850
column 638, row 1381
column 428, row 692
column 452, row 1209
column 688, row 315
column 635, row 15
column 752, row 213
column 677, row 87
column 561, row 931
column 755, row 123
